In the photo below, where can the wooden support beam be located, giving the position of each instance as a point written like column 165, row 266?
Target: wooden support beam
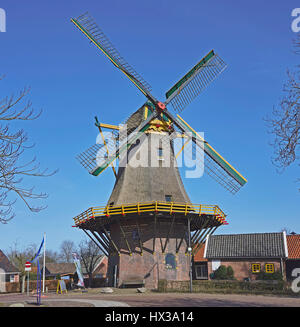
column 203, row 231
column 140, row 236
column 109, row 126
column 103, row 237
column 125, row 239
column 200, row 240
column 161, row 244
column 169, row 232
column 204, row 225
column 196, row 235
column 196, row 241
column 98, row 238
column 95, row 242
column 154, row 238
column 214, row 229
column 185, row 231
column 111, row 240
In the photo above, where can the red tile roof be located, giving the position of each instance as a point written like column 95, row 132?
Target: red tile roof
column 293, row 244
column 199, row 256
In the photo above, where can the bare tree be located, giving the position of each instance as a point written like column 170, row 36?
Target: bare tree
column 66, row 250
column 13, row 143
column 19, row 257
column 89, row 254
column 285, row 121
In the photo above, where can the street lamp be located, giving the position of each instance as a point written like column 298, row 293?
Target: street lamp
column 190, row 255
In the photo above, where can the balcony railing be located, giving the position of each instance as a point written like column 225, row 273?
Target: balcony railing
column 155, row 207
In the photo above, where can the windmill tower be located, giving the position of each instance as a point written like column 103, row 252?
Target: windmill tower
column 149, row 229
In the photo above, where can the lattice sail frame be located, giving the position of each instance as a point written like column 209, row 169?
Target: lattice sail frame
column 195, row 81
column 212, row 162
column 88, row 26
column 196, row 148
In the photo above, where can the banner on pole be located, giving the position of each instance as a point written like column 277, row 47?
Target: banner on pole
column 78, row 269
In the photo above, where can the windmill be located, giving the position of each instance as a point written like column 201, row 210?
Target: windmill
column 149, row 229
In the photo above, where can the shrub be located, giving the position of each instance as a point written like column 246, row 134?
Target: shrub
column 267, row 276
column 223, row 273
column 220, row 273
column 230, row 273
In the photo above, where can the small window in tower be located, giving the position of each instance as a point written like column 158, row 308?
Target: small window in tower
column 160, row 152
column 135, row 235
column 170, row 261
column 168, row 198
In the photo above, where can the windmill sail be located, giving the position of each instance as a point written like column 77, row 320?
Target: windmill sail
column 98, row 157
column 86, row 24
column 195, row 81
column 215, row 165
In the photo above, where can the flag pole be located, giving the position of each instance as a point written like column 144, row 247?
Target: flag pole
column 44, row 266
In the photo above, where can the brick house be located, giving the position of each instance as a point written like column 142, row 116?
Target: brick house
column 64, row 270
column 67, row 270
column 8, row 269
column 293, row 260
column 247, row 254
column 100, row 269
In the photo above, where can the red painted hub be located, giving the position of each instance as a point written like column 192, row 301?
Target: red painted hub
column 161, row 105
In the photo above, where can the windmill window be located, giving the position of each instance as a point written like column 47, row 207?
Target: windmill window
column 170, row 261
column 135, row 235
column 160, row 152
column 168, row 198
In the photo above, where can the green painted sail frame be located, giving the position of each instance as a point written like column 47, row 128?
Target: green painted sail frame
column 187, row 76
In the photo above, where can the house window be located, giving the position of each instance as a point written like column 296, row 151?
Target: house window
column 160, row 152
column 168, row 198
column 269, row 268
column 255, row 268
column 170, row 261
column 201, row 270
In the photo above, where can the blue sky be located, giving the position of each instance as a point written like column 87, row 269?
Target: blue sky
column 72, row 82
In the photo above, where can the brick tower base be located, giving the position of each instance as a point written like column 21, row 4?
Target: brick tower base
column 150, row 249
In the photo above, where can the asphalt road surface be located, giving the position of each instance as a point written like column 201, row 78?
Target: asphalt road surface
column 150, row 299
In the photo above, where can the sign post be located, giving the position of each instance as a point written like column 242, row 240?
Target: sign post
column 27, row 268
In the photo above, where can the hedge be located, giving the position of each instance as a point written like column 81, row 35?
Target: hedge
column 227, row 286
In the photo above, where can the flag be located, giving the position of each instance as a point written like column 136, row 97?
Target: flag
column 78, row 269
column 39, row 251
column 38, row 277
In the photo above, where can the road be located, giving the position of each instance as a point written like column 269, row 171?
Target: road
column 151, row 299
